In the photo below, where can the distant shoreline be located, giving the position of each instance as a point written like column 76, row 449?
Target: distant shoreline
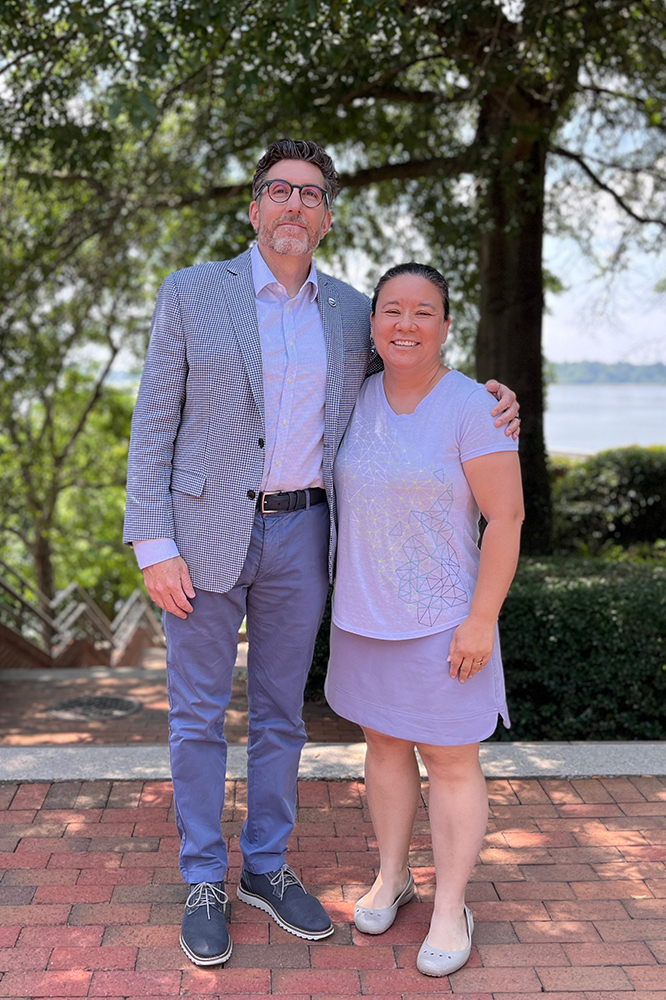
column 560, row 373
column 598, row 373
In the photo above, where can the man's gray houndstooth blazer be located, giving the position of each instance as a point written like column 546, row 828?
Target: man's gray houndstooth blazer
column 196, row 456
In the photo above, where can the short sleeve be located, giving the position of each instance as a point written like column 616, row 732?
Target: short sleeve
column 477, row 434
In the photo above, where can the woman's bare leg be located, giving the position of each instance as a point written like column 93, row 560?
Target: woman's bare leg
column 393, row 787
column 458, row 819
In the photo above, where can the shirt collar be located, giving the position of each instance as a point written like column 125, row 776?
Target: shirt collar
column 263, row 276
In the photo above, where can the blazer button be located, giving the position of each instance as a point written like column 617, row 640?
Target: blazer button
column 251, row 495
column 261, row 442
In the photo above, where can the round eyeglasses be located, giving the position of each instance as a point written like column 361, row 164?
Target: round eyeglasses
column 280, row 191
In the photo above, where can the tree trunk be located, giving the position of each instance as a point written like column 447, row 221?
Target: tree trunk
column 41, row 553
column 508, row 345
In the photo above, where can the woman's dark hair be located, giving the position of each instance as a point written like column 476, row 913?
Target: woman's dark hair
column 297, row 149
column 431, row 274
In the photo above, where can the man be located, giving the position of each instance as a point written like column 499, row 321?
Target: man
column 252, row 372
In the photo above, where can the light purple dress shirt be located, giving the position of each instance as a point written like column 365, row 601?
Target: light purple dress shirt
column 293, row 354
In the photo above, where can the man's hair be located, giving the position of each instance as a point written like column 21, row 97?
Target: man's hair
column 431, row 274
column 297, row 149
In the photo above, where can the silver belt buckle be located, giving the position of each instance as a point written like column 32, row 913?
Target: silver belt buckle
column 270, row 493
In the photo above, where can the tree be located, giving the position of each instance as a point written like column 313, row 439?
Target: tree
column 63, row 428
column 62, row 476
column 468, row 128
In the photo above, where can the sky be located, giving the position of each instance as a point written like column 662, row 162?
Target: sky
column 618, row 319
column 589, row 322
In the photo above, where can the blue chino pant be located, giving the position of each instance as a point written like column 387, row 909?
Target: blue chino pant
column 282, row 589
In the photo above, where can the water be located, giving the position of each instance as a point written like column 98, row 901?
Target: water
column 589, row 418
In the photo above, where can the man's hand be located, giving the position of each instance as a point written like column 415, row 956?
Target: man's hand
column 169, row 585
column 507, row 408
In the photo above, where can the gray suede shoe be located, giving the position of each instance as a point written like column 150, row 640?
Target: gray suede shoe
column 282, row 895
column 370, row 921
column 432, row 962
column 204, row 936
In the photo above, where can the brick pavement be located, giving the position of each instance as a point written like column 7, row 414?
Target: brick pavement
column 569, row 897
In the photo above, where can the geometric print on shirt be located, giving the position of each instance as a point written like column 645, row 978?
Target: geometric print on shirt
column 429, row 579
column 409, row 542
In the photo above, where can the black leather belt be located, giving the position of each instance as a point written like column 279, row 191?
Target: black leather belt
column 277, row 503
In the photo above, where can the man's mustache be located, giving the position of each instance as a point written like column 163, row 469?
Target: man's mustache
column 296, row 219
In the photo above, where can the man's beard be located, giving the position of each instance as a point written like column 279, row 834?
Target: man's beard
column 305, row 242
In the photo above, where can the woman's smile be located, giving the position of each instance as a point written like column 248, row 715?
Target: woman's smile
column 408, row 324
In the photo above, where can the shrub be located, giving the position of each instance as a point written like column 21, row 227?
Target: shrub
column 614, row 497
column 584, row 651
column 583, row 648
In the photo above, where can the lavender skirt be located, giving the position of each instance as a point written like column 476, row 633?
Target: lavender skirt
column 402, row 688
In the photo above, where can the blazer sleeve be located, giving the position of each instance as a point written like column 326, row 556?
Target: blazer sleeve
column 157, row 415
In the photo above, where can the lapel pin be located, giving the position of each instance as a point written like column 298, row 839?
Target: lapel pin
column 331, row 301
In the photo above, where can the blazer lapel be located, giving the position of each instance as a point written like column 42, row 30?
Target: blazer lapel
column 240, row 295
column 331, row 321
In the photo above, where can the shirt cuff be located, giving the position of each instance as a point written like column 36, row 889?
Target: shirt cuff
column 154, row 550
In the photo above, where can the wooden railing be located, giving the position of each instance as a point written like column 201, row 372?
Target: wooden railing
column 70, row 630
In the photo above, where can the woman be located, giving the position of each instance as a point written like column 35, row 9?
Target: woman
column 415, row 656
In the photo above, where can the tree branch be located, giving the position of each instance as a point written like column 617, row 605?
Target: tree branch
column 55, row 42
column 417, row 96
column 628, row 168
column 594, row 88
column 15, row 531
column 60, row 175
column 451, row 166
column 617, row 198
column 191, row 77
column 94, row 396
column 217, row 193
column 638, row 101
column 368, row 89
column 25, row 469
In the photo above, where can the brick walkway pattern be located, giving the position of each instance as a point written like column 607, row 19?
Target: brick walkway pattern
column 569, row 897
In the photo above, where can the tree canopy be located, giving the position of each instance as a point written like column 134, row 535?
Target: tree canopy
column 462, row 130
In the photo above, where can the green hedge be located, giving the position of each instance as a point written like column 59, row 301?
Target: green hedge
column 584, row 651
column 615, row 497
column 583, row 648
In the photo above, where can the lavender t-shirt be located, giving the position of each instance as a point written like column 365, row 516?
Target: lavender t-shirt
column 408, row 551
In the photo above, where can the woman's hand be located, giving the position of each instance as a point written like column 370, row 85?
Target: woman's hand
column 471, row 646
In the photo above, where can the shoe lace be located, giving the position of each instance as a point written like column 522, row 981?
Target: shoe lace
column 282, row 878
column 206, row 894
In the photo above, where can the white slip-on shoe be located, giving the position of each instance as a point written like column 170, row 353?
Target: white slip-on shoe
column 370, row 921
column 433, row 962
